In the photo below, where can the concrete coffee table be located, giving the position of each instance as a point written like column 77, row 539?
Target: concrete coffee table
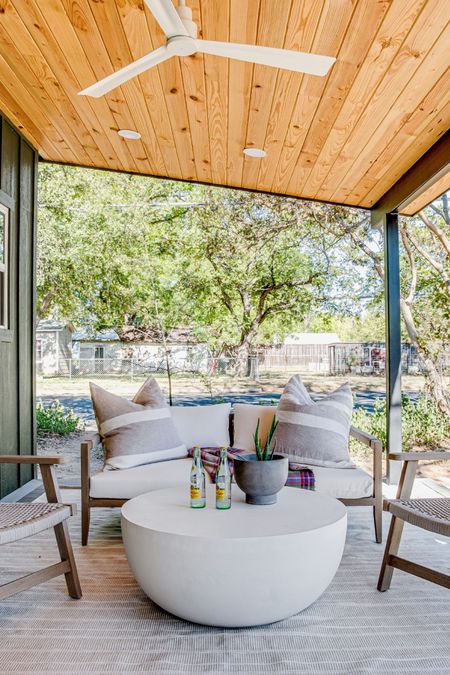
column 248, row 566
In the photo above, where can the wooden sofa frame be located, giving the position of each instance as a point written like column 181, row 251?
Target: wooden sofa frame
column 375, row 500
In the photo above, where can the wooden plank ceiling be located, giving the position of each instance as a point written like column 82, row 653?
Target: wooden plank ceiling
column 344, row 138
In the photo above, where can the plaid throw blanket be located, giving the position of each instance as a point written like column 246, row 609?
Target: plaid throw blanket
column 299, row 476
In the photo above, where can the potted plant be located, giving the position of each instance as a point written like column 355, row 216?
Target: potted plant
column 261, row 475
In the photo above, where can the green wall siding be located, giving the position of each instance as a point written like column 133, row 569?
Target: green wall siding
column 18, row 167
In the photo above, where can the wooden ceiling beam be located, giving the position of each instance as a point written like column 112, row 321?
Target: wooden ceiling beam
column 429, row 169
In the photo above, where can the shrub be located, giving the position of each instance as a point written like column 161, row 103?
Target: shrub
column 423, row 424
column 55, row 419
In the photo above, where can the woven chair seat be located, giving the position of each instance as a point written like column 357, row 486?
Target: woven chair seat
column 18, row 521
column 429, row 514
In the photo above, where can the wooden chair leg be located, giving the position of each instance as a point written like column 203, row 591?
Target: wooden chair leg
column 66, row 553
column 62, row 532
column 85, row 521
column 378, row 522
column 392, row 546
column 85, row 449
column 377, row 449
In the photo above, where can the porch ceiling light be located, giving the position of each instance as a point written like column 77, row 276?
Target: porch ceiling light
column 254, row 152
column 129, row 134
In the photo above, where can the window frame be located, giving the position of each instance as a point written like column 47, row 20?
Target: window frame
column 4, row 271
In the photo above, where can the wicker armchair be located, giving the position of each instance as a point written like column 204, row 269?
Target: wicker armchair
column 18, row 521
column 429, row 514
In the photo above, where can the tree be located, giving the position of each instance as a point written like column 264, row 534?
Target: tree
column 145, row 256
column 91, row 225
column 238, row 268
column 424, row 277
column 252, row 264
column 426, row 301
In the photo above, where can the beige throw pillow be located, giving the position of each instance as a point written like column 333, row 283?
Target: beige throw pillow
column 136, row 432
column 315, row 433
column 246, row 417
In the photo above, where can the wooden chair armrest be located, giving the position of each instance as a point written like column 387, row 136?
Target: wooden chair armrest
column 85, row 454
column 410, row 463
column 377, row 459
column 366, row 439
column 32, row 459
column 73, row 508
column 419, row 456
column 89, row 444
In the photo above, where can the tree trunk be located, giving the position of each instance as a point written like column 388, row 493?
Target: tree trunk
column 241, row 354
column 434, row 382
column 168, row 370
column 243, row 349
column 43, row 308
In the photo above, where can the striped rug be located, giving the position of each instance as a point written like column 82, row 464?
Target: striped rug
column 116, row 630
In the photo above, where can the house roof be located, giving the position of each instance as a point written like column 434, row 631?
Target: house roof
column 86, row 335
column 181, row 335
column 47, row 325
column 344, row 138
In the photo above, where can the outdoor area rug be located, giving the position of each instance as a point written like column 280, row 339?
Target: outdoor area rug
column 115, row 629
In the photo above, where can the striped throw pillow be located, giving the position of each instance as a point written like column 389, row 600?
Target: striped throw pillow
column 136, row 432
column 315, row 433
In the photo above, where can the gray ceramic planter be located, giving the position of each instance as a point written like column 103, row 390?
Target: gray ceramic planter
column 261, row 481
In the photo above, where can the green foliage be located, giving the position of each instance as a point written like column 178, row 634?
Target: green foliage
column 143, row 256
column 114, row 251
column 98, row 233
column 423, row 424
column 55, row 419
column 264, row 454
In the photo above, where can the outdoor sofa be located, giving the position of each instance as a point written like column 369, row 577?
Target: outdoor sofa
column 353, row 487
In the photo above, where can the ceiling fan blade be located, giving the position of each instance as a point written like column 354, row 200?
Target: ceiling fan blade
column 124, row 74
column 302, row 62
column 167, row 17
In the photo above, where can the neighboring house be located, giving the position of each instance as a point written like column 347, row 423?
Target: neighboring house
column 53, row 347
column 105, row 352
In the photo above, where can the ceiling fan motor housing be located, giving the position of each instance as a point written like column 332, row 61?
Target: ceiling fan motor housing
column 185, row 14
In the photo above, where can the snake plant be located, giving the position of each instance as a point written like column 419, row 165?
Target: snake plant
column 264, row 454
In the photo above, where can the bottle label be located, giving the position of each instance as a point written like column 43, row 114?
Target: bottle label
column 195, row 492
column 220, row 492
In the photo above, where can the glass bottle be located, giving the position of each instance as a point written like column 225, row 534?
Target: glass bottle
column 198, row 481
column 223, row 482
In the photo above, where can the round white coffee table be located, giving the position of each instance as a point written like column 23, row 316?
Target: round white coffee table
column 247, row 566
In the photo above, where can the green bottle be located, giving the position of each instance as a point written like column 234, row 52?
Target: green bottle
column 198, row 481
column 223, row 482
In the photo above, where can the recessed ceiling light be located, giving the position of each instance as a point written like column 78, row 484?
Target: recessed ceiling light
column 128, row 133
column 254, row 152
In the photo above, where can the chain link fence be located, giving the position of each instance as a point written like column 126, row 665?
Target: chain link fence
column 132, row 369
column 345, row 358
column 338, row 359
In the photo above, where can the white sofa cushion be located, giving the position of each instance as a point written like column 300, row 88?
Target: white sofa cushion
column 343, row 483
column 128, row 483
column 203, row 425
column 246, row 417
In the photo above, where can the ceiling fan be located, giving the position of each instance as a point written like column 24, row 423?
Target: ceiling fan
column 181, row 34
